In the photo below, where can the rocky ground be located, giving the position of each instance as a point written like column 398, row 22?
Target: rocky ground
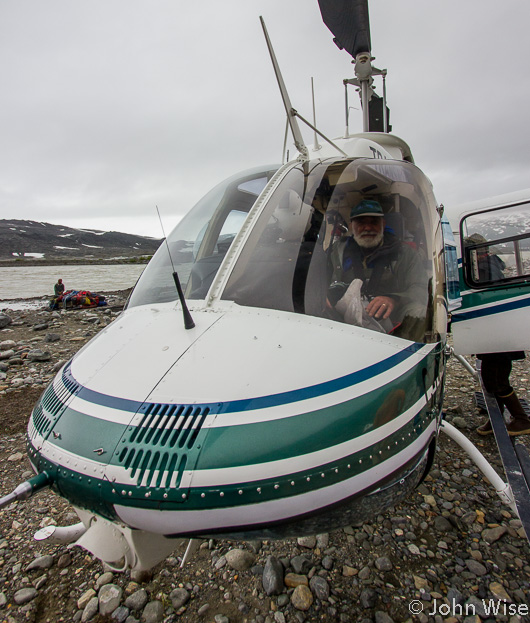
column 452, row 543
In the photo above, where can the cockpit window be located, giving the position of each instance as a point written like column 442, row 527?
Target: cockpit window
column 196, row 247
column 379, row 270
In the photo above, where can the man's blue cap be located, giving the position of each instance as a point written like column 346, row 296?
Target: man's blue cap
column 367, row 207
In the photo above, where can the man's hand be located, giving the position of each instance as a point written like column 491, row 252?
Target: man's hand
column 380, row 307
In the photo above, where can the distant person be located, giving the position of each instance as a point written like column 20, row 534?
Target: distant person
column 490, row 266
column 59, row 288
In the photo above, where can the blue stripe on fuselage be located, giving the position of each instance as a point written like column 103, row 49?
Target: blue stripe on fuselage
column 262, row 402
column 459, row 316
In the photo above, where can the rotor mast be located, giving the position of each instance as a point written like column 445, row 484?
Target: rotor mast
column 349, row 22
column 363, row 73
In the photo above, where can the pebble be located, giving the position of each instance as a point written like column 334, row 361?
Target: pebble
column 476, row 567
column 109, row 598
column 120, row 614
column 307, row 541
column 490, row 535
column 104, row 578
column 499, row 592
column 442, row 524
column 90, row 610
column 5, row 321
column 65, row 560
column 383, row 564
column 301, row 564
column 365, row 573
column 240, row 559
column 139, row 599
column 292, row 580
column 368, row 598
column 302, row 598
column 272, row 578
column 153, row 612
column 41, row 326
column 39, row 355
column 85, row 598
column 24, row 595
column 42, row 562
column 52, row 337
column 320, row 588
column 179, row 597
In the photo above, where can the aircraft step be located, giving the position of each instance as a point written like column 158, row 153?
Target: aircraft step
column 481, row 404
column 514, row 455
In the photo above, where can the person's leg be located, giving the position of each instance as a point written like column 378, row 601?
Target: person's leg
column 520, row 424
column 495, row 371
column 491, row 373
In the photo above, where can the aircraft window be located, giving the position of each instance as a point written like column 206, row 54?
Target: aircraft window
column 496, row 246
column 452, row 283
column 301, row 255
column 200, row 241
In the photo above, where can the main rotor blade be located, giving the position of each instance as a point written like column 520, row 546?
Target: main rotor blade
column 348, row 20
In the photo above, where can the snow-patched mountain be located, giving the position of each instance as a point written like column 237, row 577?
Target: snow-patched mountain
column 501, row 224
column 51, row 242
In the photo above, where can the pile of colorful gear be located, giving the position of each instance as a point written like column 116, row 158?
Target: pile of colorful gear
column 77, row 299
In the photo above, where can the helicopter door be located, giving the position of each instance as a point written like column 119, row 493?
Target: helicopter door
column 494, row 280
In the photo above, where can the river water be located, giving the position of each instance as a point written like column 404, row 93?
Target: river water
column 22, row 282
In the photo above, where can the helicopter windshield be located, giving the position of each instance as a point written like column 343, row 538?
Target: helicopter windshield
column 381, row 270
column 196, row 247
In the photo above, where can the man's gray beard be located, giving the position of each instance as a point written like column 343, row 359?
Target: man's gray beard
column 369, row 242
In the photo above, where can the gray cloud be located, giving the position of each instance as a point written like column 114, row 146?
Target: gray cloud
column 110, row 108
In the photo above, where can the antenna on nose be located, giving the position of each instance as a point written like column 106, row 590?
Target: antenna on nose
column 188, row 320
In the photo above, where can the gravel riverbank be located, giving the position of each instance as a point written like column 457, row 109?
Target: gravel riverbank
column 451, row 553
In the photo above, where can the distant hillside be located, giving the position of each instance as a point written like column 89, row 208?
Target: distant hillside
column 32, row 240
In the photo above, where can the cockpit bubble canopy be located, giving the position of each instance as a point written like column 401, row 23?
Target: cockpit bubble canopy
column 198, row 244
column 301, row 251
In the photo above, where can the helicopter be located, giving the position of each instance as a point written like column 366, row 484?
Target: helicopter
column 244, row 393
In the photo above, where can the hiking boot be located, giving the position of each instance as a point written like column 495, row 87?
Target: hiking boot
column 514, row 406
column 485, row 429
column 518, row 426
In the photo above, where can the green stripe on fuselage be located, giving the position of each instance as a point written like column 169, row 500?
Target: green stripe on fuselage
column 275, row 440
column 83, row 434
column 305, row 481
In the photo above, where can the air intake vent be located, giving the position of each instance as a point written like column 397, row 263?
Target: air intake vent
column 71, row 385
column 40, row 421
column 53, row 400
column 154, row 468
column 157, row 450
column 171, row 426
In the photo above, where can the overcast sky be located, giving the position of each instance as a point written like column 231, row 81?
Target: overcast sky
column 111, row 107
